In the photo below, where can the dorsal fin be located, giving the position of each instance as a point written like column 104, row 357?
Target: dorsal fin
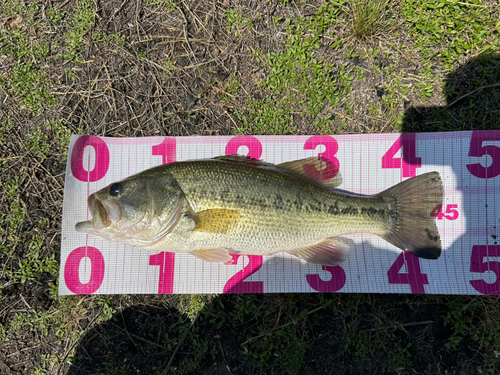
column 317, row 170
column 240, row 159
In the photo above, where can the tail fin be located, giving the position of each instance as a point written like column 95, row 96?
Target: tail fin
column 413, row 229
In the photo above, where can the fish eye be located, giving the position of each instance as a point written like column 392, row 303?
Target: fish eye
column 115, row 189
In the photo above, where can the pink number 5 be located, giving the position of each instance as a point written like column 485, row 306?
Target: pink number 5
column 477, row 264
column 477, row 150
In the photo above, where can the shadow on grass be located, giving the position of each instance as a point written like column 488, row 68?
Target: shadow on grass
column 142, row 339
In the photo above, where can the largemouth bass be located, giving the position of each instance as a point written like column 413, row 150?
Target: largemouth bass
column 234, row 205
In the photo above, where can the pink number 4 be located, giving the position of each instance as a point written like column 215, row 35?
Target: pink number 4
column 413, row 275
column 409, row 162
column 437, row 212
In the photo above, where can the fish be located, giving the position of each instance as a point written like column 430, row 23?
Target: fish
column 214, row 208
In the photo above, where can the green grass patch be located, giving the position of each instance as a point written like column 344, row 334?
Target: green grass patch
column 454, row 28
column 368, row 16
column 301, row 83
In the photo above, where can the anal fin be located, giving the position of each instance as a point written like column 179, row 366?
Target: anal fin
column 214, row 255
column 330, row 252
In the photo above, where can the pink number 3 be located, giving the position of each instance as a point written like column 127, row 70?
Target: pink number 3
column 332, row 163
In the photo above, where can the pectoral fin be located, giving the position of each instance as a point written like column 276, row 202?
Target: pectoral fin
column 218, row 221
column 214, row 255
column 330, row 252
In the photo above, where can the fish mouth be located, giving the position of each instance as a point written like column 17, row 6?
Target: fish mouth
column 104, row 214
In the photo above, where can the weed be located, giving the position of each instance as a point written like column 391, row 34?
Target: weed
column 454, row 28
column 233, row 86
column 267, row 117
column 33, row 263
column 299, row 80
column 55, row 15
column 81, row 23
column 368, row 17
column 236, row 21
column 31, row 88
column 170, row 5
column 3, row 334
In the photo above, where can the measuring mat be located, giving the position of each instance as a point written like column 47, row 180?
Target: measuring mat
column 468, row 162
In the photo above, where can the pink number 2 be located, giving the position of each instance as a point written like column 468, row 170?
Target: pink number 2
column 253, row 144
column 236, row 284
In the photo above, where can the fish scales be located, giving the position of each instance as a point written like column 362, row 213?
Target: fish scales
column 233, row 205
column 274, row 207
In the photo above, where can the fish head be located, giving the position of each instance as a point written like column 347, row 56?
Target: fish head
column 139, row 210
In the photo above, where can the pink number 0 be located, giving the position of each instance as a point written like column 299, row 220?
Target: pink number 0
column 72, row 270
column 253, row 144
column 101, row 159
column 236, row 284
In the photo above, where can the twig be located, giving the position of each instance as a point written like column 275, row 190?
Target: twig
column 73, row 344
column 470, row 93
column 116, row 11
column 184, row 26
column 180, row 343
column 168, row 39
column 398, row 326
column 284, row 325
column 138, row 337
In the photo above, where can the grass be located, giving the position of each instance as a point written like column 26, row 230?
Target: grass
column 368, row 17
column 114, row 69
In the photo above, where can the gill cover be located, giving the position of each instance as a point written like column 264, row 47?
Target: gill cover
column 139, row 210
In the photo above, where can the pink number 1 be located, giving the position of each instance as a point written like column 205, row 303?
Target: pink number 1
column 167, row 150
column 166, row 261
